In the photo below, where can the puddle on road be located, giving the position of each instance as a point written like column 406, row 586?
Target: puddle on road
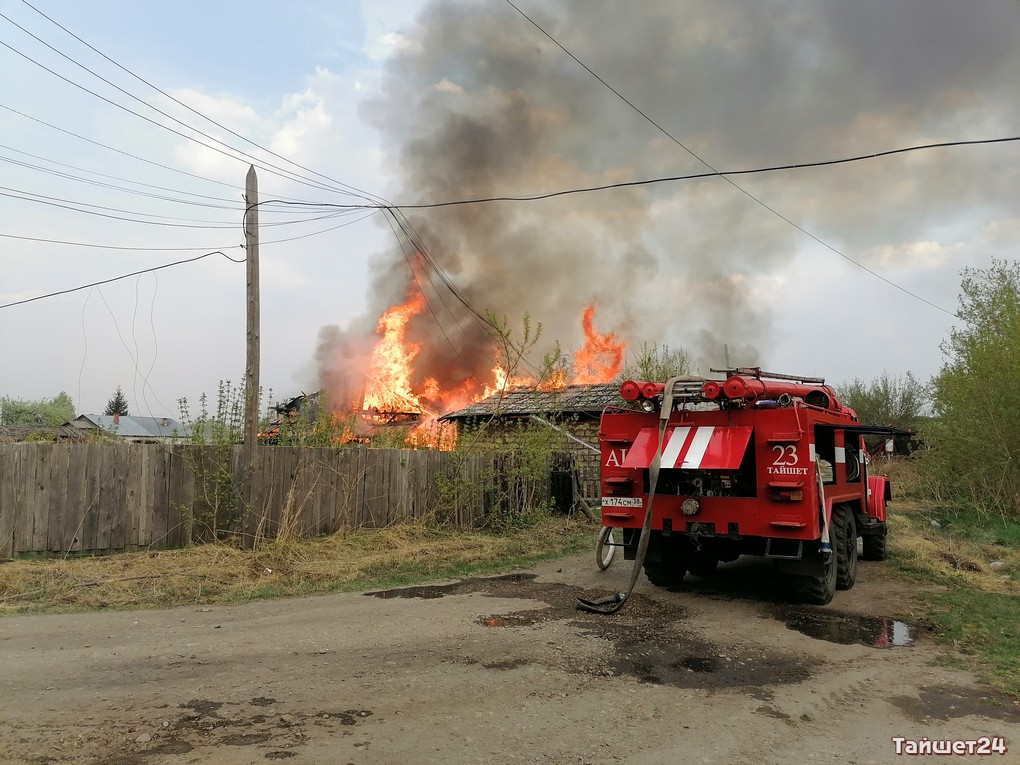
column 465, row 587
column 849, row 629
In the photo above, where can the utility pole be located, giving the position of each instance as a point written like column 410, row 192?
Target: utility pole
column 251, row 369
column 726, row 356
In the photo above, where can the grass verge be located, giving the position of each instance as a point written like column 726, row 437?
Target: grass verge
column 351, row 560
column 976, row 561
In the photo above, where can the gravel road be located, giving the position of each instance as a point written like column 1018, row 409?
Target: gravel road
column 495, row 670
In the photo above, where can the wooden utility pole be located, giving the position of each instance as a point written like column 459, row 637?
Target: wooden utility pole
column 251, row 369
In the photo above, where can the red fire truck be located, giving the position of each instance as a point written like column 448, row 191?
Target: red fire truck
column 755, row 463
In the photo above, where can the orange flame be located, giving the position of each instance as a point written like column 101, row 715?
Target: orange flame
column 389, row 370
column 390, row 397
column 601, row 357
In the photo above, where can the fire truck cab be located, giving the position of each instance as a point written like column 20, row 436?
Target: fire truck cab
column 753, row 464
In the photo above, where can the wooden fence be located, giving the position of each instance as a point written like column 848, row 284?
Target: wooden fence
column 106, row 497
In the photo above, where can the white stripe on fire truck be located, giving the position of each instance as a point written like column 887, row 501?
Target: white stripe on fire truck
column 699, row 445
column 840, row 454
column 673, row 446
column 812, row 453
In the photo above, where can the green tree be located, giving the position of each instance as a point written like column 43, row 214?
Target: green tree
column 118, row 404
column 898, row 401
column 976, row 456
column 656, row 363
column 46, row 412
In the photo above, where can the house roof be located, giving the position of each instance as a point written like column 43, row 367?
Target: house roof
column 135, row 426
column 573, row 399
column 33, row 432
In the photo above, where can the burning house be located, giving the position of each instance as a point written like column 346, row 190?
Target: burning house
column 573, row 412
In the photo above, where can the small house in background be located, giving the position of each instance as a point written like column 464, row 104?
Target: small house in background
column 146, row 430
column 60, row 434
column 573, row 411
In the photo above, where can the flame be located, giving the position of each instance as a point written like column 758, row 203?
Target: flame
column 556, row 381
column 389, row 371
column 601, row 357
column 392, row 400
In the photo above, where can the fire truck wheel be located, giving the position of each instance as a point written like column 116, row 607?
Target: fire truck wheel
column 819, row 590
column 605, row 547
column 665, row 573
column 874, row 547
column 844, row 546
column 703, row 564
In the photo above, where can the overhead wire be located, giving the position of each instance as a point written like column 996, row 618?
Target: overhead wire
column 128, row 154
column 739, row 188
column 237, row 154
column 114, row 187
column 92, row 245
column 118, row 278
column 653, row 181
column 75, row 205
column 483, row 320
column 421, row 291
column 357, row 191
column 110, row 246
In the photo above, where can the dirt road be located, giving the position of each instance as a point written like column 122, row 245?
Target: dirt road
column 500, row 670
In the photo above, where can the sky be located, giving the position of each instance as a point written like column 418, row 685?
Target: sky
column 420, row 102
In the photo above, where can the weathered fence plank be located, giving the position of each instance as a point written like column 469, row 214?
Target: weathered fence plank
column 57, row 515
column 75, row 505
column 24, row 476
column 40, row 496
column 91, row 496
column 8, row 507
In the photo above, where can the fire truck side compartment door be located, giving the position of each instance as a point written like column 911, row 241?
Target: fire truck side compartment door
column 692, row 448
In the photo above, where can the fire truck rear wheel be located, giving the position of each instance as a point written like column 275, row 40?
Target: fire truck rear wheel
column 874, row 547
column 819, row 590
column 844, row 546
column 703, row 564
column 665, row 573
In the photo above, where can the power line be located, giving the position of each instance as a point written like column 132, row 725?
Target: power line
column 129, row 154
column 654, row 181
column 75, row 205
column 267, row 166
column 118, row 278
column 231, row 205
column 358, row 192
column 731, row 182
column 118, row 151
column 92, row 245
column 107, row 246
column 323, row 231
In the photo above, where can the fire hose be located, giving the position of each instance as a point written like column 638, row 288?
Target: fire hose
column 611, row 604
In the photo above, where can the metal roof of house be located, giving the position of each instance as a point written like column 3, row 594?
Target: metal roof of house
column 573, row 399
column 34, row 433
column 130, row 426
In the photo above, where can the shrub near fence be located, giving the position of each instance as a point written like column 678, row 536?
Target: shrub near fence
column 107, row 497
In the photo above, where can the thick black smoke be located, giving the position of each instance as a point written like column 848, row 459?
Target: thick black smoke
column 479, row 103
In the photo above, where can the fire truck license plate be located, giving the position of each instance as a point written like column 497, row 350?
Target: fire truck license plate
column 621, row 502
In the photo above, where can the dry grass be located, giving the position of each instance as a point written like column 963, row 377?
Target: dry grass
column 946, row 557
column 217, row 572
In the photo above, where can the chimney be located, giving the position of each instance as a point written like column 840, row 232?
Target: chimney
column 116, row 419
column 166, row 422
